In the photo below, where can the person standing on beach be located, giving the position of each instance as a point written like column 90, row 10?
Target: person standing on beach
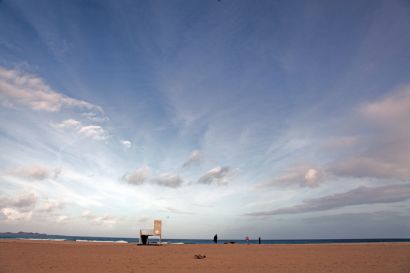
column 247, row 239
column 259, row 240
column 216, row 238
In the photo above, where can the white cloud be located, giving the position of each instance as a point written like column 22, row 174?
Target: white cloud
column 195, row 157
column 18, row 208
column 218, row 175
column 95, row 132
column 312, row 178
column 168, row 180
column 126, row 144
column 12, row 214
column 69, row 124
column 28, row 90
column 137, row 177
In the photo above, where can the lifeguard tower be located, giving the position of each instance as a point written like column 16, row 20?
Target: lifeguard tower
column 156, row 231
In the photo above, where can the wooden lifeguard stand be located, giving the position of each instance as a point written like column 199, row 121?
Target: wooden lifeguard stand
column 156, row 231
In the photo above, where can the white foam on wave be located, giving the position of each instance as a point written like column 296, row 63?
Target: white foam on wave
column 36, row 239
column 99, row 241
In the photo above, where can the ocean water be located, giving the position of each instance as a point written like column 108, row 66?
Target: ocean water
column 191, row 241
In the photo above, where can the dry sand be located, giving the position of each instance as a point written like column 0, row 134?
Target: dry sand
column 75, row 257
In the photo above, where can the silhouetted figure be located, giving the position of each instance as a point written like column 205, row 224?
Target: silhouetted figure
column 259, row 240
column 216, row 238
column 247, row 239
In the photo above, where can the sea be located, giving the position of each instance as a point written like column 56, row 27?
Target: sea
column 135, row 240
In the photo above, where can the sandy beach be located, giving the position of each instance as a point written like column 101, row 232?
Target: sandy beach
column 75, row 257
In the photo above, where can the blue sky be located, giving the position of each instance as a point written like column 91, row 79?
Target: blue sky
column 243, row 118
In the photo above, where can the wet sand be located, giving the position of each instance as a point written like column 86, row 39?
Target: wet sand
column 20, row 256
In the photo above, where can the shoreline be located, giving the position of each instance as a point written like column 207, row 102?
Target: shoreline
column 210, row 242
column 121, row 242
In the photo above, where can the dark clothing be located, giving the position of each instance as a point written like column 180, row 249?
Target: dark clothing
column 259, row 240
column 216, row 239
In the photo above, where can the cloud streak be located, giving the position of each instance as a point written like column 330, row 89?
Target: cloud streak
column 358, row 196
column 31, row 91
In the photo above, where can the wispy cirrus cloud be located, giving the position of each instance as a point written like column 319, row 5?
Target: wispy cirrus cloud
column 18, row 88
column 24, row 89
column 357, row 196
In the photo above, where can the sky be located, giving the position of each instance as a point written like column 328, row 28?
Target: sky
column 278, row 119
